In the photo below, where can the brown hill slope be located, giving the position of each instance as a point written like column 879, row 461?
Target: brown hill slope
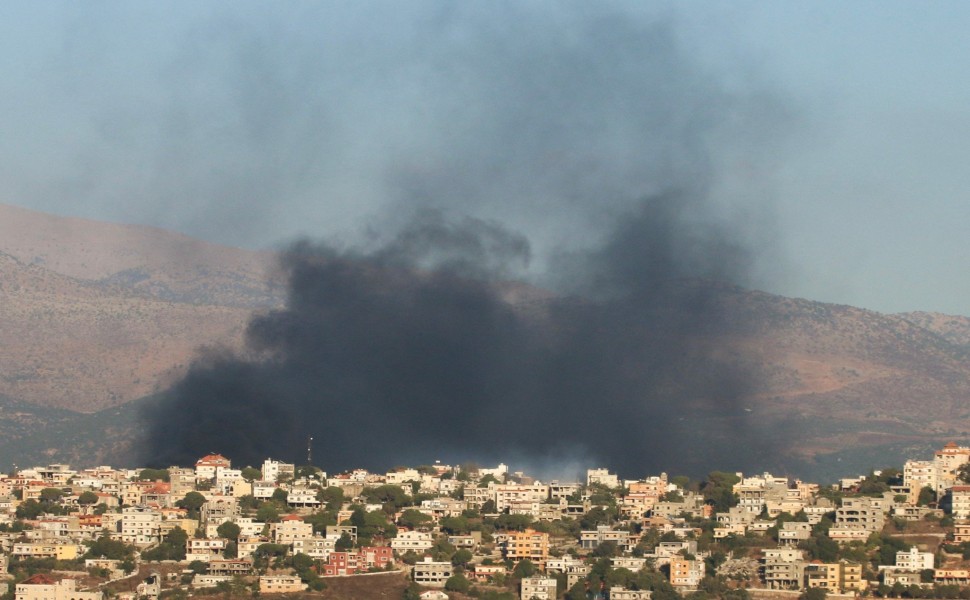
column 150, row 261
column 85, row 346
column 97, row 314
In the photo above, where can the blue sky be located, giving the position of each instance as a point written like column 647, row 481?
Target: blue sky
column 830, row 135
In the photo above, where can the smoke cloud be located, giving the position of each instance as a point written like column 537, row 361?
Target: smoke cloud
column 540, row 279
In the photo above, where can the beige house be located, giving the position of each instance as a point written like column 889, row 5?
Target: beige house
column 416, row 541
column 620, row 593
column 45, row 587
column 430, row 573
column 960, row 502
column 281, row 584
column 538, row 587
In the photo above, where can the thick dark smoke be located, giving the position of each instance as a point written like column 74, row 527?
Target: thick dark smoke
column 601, row 142
column 414, row 352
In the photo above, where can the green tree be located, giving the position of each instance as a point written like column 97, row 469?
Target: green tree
column 105, row 547
column 461, row 558
column 412, row 518
column 229, row 531
column 927, row 496
column 391, row 496
column 177, row 538
column 455, row 525
column 51, row 495
column 268, row 513
column 29, row 509
column 594, row 517
column 87, row 498
column 333, row 497
column 458, row 583
column 321, row 520
column 198, row 567
column 251, row 474
column 814, row 593
column 153, row 475
column 345, row 543
column 513, row 522
column 192, row 502
column 525, row 568
column 718, row 490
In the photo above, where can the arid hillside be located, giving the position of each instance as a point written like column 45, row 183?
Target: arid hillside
column 93, row 315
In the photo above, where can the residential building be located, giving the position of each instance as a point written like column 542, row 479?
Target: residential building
column 823, row 575
column 45, row 587
column 316, row 547
column 621, row 593
column 602, row 477
column 686, row 574
column 538, row 587
column 784, row 568
column 918, row 474
column 273, row 470
column 948, row 462
column 281, row 584
column 528, row 544
column 205, row 467
column 914, row 559
column 140, row 526
column 960, row 502
column 232, row 566
column 431, row 573
column 289, row 529
column 484, row 573
column 416, row 541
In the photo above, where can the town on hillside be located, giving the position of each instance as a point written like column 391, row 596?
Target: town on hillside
column 442, row 531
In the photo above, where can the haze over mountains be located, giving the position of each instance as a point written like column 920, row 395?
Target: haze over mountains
column 96, row 316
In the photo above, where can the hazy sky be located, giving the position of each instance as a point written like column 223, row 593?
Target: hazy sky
column 831, row 134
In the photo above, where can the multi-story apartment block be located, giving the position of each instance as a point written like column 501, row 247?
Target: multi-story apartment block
column 273, row 469
column 914, row 559
column 686, row 573
column 960, row 502
column 219, row 509
column 431, row 573
column 140, row 526
column 528, row 544
column 827, row 576
column 918, row 474
column 475, row 497
column 538, row 587
column 948, row 461
column 863, row 512
column 416, row 541
column 316, row 547
column 793, row 532
column 602, row 477
column 290, row 529
column 204, row 549
column 784, row 568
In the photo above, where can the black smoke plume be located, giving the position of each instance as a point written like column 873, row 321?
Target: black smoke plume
column 418, row 351
column 432, row 340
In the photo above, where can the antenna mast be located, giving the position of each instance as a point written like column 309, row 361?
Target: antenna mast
column 309, row 450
